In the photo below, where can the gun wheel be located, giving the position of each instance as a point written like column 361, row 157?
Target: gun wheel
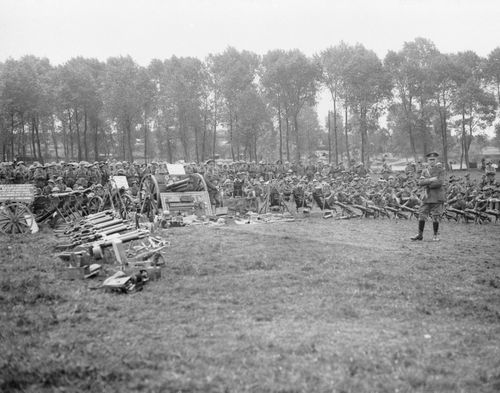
column 15, row 217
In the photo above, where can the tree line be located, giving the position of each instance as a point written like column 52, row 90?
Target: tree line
column 241, row 105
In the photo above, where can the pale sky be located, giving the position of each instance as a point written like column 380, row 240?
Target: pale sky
column 147, row 29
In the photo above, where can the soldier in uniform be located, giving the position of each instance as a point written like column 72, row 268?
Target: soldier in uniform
column 489, row 173
column 212, row 181
column 69, row 174
column 432, row 180
column 94, row 174
column 47, row 190
column 40, row 176
column 239, row 184
column 59, row 183
column 21, row 173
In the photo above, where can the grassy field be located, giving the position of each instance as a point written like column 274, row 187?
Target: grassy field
column 310, row 306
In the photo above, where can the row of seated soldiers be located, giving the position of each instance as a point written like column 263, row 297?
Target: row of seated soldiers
column 99, row 171
column 84, row 173
column 72, row 175
column 396, row 193
column 66, row 176
column 279, row 182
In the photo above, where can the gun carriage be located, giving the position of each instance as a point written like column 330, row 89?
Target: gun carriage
column 174, row 191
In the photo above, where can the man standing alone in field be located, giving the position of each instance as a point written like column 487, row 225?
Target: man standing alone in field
column 432, row 202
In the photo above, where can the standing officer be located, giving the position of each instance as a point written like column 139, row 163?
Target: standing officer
column 432, row 202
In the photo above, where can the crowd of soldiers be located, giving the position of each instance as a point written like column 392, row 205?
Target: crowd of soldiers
column 313, row 183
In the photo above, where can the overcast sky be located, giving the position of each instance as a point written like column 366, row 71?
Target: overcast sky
column 147, row 29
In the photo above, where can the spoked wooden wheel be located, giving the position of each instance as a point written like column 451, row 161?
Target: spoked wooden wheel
column 15, row 217
column 95, row 205
column 149, row 196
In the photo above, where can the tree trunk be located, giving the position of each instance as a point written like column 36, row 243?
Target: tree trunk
column 145, row 138
column 129, row 141
column 85, row 145
column 423, row 129
column 185, row 143
column 37, row 137
column 408, row 112
column 296, row 127
column 204, row 137
column 196, row 144
column 71, row 141
column 464, row 141
column 444, row 131
column 287, row 138
column 280, row 133
column 334, row 96
column 96, row 140
column 469, row 139
column 33, row 140
column 255, row 147
column 23, row 137
column 169, row 147
column 12, row 127
column 65, row 140
column 364, row 137
column 231, row 141
column 124, row 142
column 54, row 138
column 78, row 137
column 329, row 140
column 346, row 128
column 215, row 126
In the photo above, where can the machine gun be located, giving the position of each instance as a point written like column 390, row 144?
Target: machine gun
column 494, row 213
column 347, row 211
column 397, row 213
column 479, row 216
column 457, row 214
column 413, row 212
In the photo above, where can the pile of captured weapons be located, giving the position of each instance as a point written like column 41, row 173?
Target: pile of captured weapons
column 102, row 237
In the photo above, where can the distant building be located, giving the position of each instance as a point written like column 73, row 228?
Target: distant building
column 489, row 153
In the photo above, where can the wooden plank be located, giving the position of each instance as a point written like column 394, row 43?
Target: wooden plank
column 17, row 193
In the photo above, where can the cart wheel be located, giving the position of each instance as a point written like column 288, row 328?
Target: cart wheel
column 15, row 217
column 95, row 205
column 149, row 196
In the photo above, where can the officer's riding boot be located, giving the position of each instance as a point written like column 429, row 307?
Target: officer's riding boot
column 435, row 226
column 420, row 236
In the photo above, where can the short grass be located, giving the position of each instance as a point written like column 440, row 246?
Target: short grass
column 310, row 306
